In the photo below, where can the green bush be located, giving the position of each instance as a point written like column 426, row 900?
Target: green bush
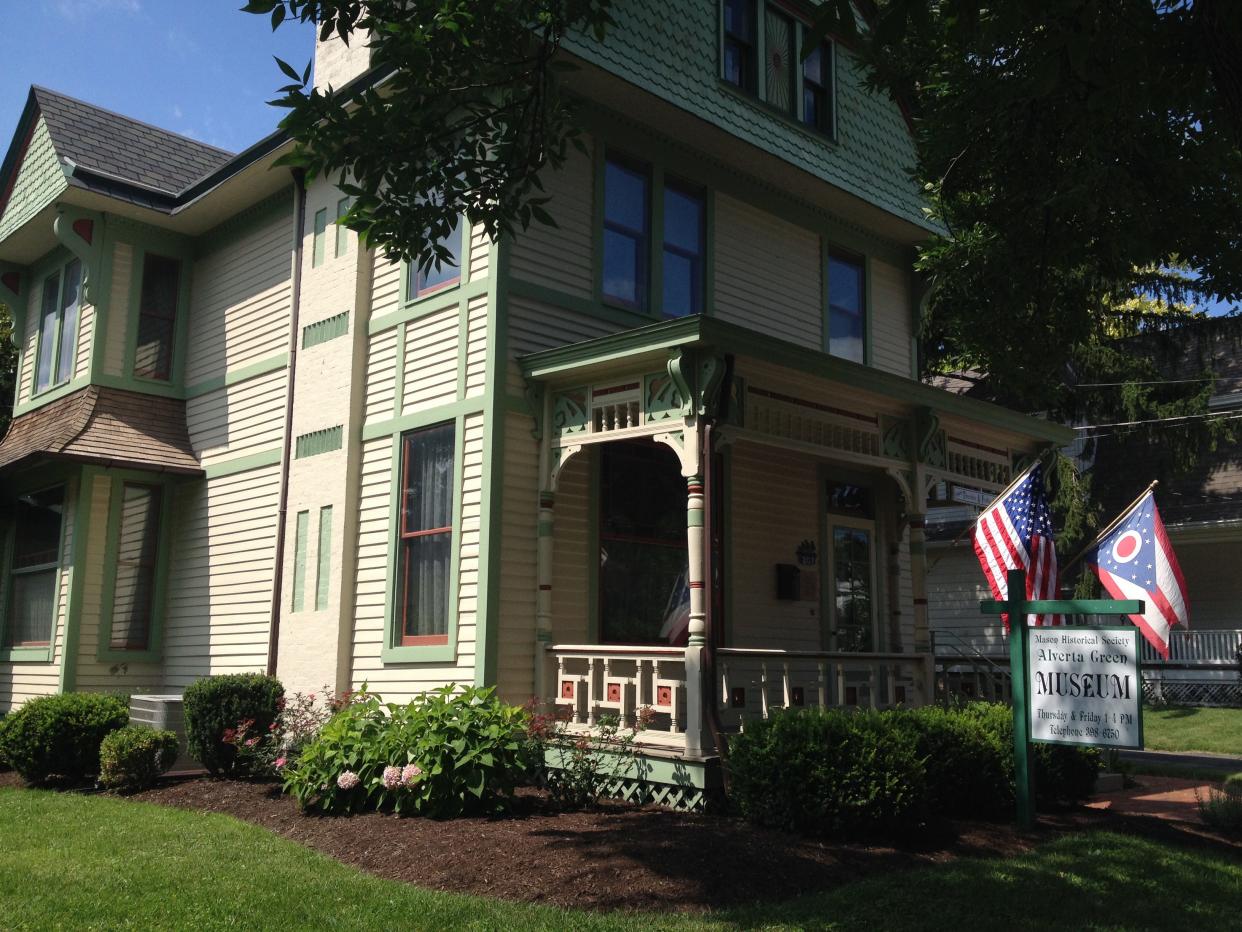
column 216, row 705
column 445, row 754
column 828, row 773
column 59, row 736
column 1232, row 784
column 134, row 757
column 1223, row 807
column 4, row 764
column 968, row 767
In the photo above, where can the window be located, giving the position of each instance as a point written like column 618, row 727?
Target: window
column 644, row 596
column 760, row 53
column 133, row 600
column 627, row 218
column 58, row 326
column 683, row 251
column 33, row 571
column 426, row 536
column 447, row 274
column 157, row 318
column 739, row 44
column 851, row 538
column 846, row 308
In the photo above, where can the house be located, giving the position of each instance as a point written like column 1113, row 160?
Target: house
column 670, row 453
column 1201, row 508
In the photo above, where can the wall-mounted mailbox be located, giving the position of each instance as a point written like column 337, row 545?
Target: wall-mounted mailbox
column 788, row 582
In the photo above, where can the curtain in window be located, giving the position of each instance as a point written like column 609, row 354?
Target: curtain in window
column 134, row 593
column 36, row 558
column 426, row 534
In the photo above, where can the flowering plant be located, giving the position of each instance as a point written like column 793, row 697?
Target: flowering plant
column 579, row 766
column 298, row 720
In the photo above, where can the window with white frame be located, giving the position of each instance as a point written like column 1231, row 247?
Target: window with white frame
column 58, row 326
column 425, row 536
column 33, row 568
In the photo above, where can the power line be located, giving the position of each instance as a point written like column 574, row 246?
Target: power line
column 1158, row 420
column 1150, row 382
column 1129, row 428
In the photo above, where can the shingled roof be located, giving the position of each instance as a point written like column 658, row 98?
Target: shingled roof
column 123, row 148
column 105, row 426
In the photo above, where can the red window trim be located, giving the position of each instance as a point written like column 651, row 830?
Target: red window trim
column 417, row 640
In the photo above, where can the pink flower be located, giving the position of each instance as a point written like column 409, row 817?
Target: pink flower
column 347, row 780
column 251, row 742
column 409, row 773
column 279, row 762
column 391, row 778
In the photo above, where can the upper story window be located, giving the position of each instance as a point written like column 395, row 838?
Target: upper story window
column 33, row 570
column 137, row 549
column 447, row 274
column 761, row 45
column 157, row 318
column 425, row 536
column 847, row 307
column 631, row 226
column 58, row 326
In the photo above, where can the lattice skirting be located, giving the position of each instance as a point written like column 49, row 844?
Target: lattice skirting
column 642, row 792
column 1190, row 692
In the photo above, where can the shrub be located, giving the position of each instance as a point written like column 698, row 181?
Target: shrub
column 968, row 767
column 828, row 773
column 215, row 705
column 1232, row 783
column 298, row 721
column 578, row 768
column 132, row 758
column 59, row 736
column 445, row 754
column 1223, row 807
column 4, row 764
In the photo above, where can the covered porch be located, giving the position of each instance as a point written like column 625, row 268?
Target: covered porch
column 730, row 524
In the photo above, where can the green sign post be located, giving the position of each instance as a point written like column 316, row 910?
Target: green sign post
column 1017, row 607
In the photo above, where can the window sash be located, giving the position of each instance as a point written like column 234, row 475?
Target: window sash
column 58, row 326
column 137, row 549
column 693, row 256
column 847, row 323
column 155, row 341
column 448, row 275
column 425, row 535
column 852, row 597
column 32, row 599
column 740, row 42
column 617, row 230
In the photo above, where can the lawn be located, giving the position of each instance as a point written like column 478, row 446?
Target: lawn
column 1212, row 731
column 90, row 862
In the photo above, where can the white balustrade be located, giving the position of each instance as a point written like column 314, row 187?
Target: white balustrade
column 595, row 681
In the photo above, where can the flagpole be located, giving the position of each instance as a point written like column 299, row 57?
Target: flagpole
column 999, row 495
column 1125, row 513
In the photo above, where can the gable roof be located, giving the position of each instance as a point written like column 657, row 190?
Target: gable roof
column 114, row 145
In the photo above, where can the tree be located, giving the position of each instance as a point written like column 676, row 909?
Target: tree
column 8, row 368
column 469, row 111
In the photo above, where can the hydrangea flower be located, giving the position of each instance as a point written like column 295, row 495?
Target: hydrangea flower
column 410, row 773
column 347, row 780
column 392, row 777
column 279, row 762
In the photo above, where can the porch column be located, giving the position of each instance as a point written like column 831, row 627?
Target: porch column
column 543, row 599
column 918, row 579
column 697, row 742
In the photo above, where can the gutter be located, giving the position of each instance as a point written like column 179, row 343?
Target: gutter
column 273, row 638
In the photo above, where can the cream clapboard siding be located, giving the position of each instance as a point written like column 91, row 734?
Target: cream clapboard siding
column 480, row 253
column 430, row 363
column 955, row 586
column 385, row 286
column 239, row 420
column 890, row 318
column 22, row 681
column 401, row 681
column 92, row 674
column 25, row 376
column 571, row 556
column 224, row 540
column 534, row 325
column 560, row 257
column 86, row 334
column 518, row 580
column 768, row 273
column 476, row 346
column 381, row 386
column 118, row 305
column 240, row 299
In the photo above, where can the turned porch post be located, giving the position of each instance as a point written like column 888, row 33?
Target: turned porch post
column 543, row 545
column 698, row 741
column 918, row 561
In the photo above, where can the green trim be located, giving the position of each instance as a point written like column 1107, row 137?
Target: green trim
column 429, row 304
column 40, row 282
column 417, row 419
column 398, row 378
column 244, row 222
column 592, row 554
column 652, row 768
column 521, row 288
column 565, row 362
column 391, row 652
column 318, row 237
column 172, row 248
column 155, row 637
column 77, row 579
column 242, row 464
column 235, row 376
column 321, row 331
column 342, row 231
column 406, row 300
column 300, row 543
column 323, row 558
column 318, row 442
column 26, row 655
column 52, row 394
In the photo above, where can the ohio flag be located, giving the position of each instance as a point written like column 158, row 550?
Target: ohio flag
column 1135, row 561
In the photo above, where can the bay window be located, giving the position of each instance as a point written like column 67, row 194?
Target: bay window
column 137, row 550
column 847, row 307
column 33, row 569
column 425, row 537
column 157, row 318
column 58, row 326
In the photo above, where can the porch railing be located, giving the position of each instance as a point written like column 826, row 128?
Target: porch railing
column 753, row 682
column 1198, row 648
column 595, row 680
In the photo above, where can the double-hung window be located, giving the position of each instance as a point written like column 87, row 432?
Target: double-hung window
column 847, row 307
column 58, row 326
column 137, row 551
column 157, row 318
column 817, row 102
column 425, row 537
column 33, row 570
column 679, row 235
column 438, row 277
column 739, row 54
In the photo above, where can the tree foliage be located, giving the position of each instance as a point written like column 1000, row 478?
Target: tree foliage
column 8, row 368
column 468, row 109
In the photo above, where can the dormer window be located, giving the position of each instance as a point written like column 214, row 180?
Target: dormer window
column 761, row 48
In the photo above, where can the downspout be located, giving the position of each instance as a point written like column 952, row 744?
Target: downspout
column 709, row 614
column 273, row 638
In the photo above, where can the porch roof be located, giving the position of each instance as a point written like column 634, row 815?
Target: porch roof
column 649, row 346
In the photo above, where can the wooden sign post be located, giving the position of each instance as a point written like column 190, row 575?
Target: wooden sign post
column 1017, row 607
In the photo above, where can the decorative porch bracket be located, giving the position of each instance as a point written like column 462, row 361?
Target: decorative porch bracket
column 81, row 232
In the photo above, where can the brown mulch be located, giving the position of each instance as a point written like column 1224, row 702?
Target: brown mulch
column 619, row 857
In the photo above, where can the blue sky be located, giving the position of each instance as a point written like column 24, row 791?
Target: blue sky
column 197, row 67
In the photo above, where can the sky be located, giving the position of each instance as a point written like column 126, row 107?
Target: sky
column 197, row 67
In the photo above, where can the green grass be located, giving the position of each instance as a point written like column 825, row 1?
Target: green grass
column 69, row 861
column 1210, row 731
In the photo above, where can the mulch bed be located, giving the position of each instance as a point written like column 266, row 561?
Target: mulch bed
column 616, row 857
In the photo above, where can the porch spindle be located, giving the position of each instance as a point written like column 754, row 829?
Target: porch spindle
column 823, row 685
column 543, row 599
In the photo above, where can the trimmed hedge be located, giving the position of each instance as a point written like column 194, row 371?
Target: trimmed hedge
column 215, row 705
column 4, row 764
column 134, row 757
column 59, row 736
column 833, row 773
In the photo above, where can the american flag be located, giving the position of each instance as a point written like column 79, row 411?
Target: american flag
column 1015, row 532
column 1136, row 561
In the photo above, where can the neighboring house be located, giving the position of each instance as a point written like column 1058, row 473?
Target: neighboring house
column 1201, row 508
column 669, row 453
